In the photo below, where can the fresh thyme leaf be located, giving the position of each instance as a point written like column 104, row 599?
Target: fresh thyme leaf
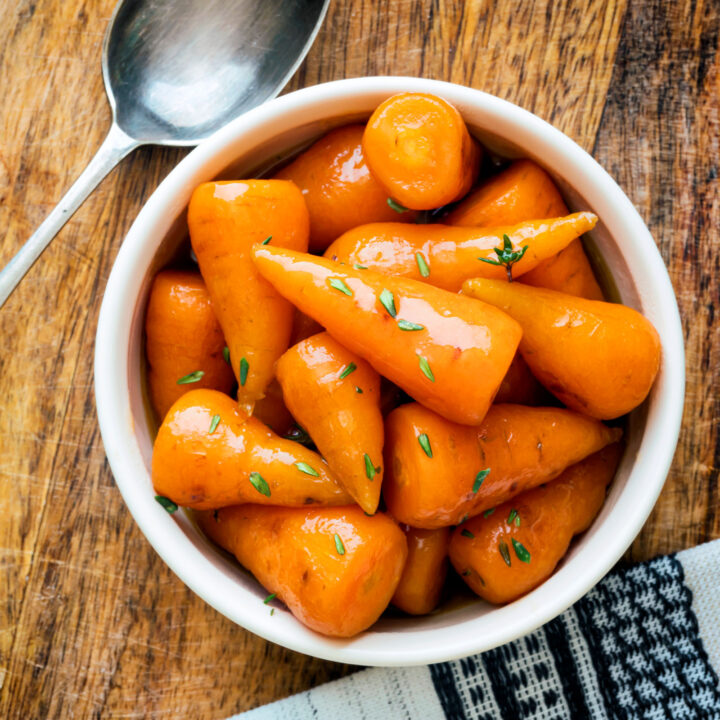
column 272, row 611
column 213, row 424
column 266, row 240
column 466, row 533
column 479, row 479
column 407, row 325
column 270, row 598
column 226, row 354
column 521, row 551
column 517, row 521
column 505, row 552
column 303, row 467
column 370, row 470
column 388, row 302
column 488, row 513
column 339, row 545
column 358, row 390
column 358, row 266
column 244, row 367
column 340, row 285
column 422, row 264
column 512, row 516
column 192, row 377
column 424, row 441
column 425, row 367
column 258, row 482
column 396, row 206
column 506, row 256
column 352, row 367
column 167, row 503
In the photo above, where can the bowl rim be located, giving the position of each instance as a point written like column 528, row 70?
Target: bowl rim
column 605, row 547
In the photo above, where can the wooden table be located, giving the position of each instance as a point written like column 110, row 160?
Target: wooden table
column 92, row 623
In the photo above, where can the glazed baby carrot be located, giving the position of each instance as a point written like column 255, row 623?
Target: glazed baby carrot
column 338, row 187
column 524, row 191
column 447, row 351
column 184, row 343
column 303, row 327
column 335, row 568
column 445, row 256
column 505, row 555
column 335, row 396
column 208, row 454
column 419, row 148
column 438, row 472
column 520, row 387
column 598, row 358
column 272, row 411
column 226, row 219
column 421, row 583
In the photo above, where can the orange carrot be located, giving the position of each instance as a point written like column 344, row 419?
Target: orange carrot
column 271, row 410
column 419, row 148
column 506, row 555
column 418, row 592
column 338, row 187
column 208, row 454
column 447, row 351
column 335, row 396
column 438, row 472
column 226, row 219
column 184, row 341
column 445, row 256
column 520, row 387
column 599, row 358
column 524, row 191
column 335, row 568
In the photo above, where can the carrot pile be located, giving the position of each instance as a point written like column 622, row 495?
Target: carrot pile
column 390, row 364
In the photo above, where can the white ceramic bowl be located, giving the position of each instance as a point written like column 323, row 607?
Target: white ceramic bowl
column 256, row 140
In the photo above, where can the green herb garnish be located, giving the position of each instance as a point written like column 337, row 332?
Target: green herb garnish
column 512, row 516
column 226, row 354
column 407, row 325
column 244, row 367
column 506, row 256
column 358, row 390
column 517, row 521
column 466, row 533
column 422, row 265
column 370, row 470
column 424, row 441
column 396, row 206
column 266, row 240
column 303, row 467
column 388, row 302
column 352, row 367
column 358, row 266
column 339, row 545
column 213, row 424
column 270, row 598
column 192, row 377
column 340, row 285
column 258, row 482
column 479, row 479
column 522, row 554
column 425, row 367
column 167, row 503
column 488, row 513
column 505, row 552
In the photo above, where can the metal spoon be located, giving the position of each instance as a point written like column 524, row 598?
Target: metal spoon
column 175, row 71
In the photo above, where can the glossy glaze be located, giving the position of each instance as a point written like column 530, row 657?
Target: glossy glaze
column 598, row 358
column 341, row 414
column 521, row 446
column 203, row 470
column 452, row 253
column 467, row 344
column 293, row 553
column 549, row 517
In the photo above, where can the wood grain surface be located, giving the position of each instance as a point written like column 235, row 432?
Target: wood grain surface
column 92, row 623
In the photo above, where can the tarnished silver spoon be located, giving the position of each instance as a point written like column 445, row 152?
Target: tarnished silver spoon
column 175, row 71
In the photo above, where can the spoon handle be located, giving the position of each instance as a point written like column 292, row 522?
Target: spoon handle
column 114, row 148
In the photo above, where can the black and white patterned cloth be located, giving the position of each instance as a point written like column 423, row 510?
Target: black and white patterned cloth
column 644, row 644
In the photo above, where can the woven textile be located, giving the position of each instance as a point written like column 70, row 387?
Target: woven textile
column 644, row 644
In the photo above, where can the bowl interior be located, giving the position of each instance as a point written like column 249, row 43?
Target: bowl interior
column 463, row 624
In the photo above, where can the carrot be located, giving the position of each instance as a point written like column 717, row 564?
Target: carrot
column 335, row 568
column 303, row 327
column 420, row 586
column 226, row 219
column 520, row 387
column 438, row 472
column 271, row 410
column 419, row 148
column 598, row 358
column 338, row 187
column 208, row 454
column 184, row 341
column 445, row 256
column 524, row 191
column 447, row 351
column 335, row 396
column 508, row 554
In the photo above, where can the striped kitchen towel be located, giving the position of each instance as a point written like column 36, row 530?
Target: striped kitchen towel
column 643, row 644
